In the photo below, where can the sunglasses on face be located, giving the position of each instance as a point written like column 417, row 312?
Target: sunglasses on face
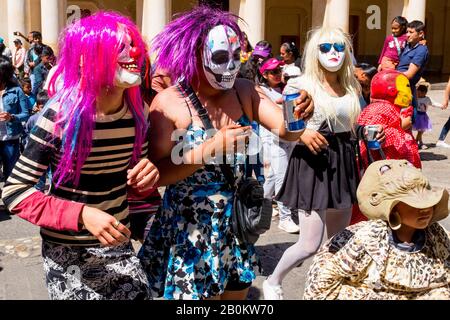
column 275, row 72
column 326, row 47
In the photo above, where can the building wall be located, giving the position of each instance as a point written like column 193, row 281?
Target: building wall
column 370, row 42
column 4, row 21
column 126, row 7
column 288, row 18
column 33, row 15
column 183, row 5
column 446, row 43
column 438, row 41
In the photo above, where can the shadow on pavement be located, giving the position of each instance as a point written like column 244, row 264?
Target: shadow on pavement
column 430, row 156
column 254, row 294
column 4, row 215
column 270, row 254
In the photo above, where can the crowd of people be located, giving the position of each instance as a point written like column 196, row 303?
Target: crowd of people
column 85, row 149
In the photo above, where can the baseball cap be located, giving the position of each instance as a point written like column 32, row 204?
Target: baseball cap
column 271, row 64
column 261, row 51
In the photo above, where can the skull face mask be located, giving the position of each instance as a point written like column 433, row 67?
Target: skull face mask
column 221, row 57
column 128, row 74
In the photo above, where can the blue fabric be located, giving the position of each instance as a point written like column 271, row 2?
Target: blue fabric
column 190, row 251
column 9, row 154
column 32, row 101
column 445, row 130
column 257, row 167
column 16, row 103
column 417, row 55
column 362, row 102
column 40, row 75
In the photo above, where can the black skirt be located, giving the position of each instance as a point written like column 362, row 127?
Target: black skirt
column 324, row 181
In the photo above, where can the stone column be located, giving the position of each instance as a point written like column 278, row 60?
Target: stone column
column 53, row 13
column 318, row 12
column 337, row 14
column 139, row 13
column 416, row 10
column 16, row 20
column 446, row 60
column 395, row 8
column 255, row 13
column 156, row 14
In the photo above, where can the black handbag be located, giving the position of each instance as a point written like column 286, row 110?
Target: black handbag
column 252, row 213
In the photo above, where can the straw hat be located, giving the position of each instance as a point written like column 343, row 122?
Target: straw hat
column 388, row 182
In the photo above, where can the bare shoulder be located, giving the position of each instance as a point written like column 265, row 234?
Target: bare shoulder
column 244, row 86
column 170, row 103
column 248, row 96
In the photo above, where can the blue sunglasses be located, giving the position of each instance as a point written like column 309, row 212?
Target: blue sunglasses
column 326, row 47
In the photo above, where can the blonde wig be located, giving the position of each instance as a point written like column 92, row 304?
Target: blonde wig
column 314, row 74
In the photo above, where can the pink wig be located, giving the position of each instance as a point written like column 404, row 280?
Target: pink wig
column 89, row 51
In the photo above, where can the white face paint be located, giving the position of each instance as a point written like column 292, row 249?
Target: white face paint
column 332, row 60
column 221, row 57
column 128, row 74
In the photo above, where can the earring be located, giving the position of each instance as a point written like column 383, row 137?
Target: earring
column 395, row 221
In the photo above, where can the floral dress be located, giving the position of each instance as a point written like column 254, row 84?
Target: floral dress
column 190, row 252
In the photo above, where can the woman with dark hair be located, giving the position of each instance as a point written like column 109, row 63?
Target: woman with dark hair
column 190, row 251
column 364, row 72
column 18, row 58
column 247, row 49
column 290, row 54
column 277, row 151
column 249, row 70
column 14, row 108
column 4, row 50
column 394, row 44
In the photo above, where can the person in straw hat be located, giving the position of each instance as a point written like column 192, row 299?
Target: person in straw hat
column 400, row 253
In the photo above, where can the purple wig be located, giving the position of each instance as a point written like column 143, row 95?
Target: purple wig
column 178, row 45
column 89, row 51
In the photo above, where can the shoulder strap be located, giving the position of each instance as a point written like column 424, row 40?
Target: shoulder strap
column 397, row 44
column 204, row 117
column 201, row 111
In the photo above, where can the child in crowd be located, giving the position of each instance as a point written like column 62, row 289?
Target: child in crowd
column 41, row 101
column 26, row 88
column 365, row 72
column 423, row 122
column 390, row 95
column 394, row 44
column 402, row 253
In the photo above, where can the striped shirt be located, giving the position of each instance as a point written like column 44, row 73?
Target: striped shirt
column 103, row 179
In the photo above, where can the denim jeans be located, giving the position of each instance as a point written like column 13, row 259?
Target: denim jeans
column 445, row 130
column 9, row 154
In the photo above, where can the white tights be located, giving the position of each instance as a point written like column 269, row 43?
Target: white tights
column 312, row 226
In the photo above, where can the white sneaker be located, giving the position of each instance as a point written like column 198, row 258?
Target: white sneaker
column 289, row 226
column 275, row 212
column 442, row 144
column 272, row 292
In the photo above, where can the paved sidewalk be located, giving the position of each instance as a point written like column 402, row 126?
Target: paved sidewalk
column 22, row 276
